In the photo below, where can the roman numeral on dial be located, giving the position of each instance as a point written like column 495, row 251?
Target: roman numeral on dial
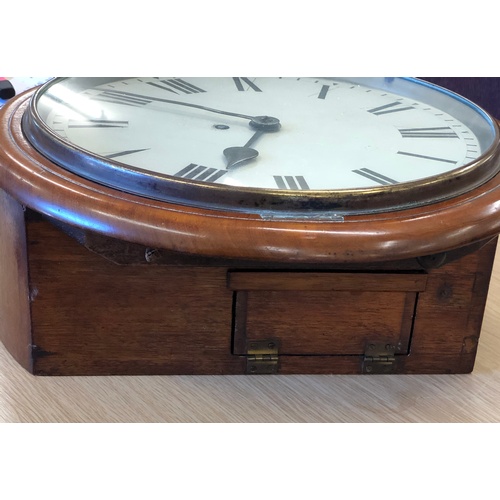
column 375, row 176
column 97, row 124
column 173, row 85
column 117, row 97
column 324, row 90
column 428, row 133
column 239, row 81
column 177, row 86
column 393, row 107
column 125, row 153
column 425, row 157
column 289, row 182
column 200, row 173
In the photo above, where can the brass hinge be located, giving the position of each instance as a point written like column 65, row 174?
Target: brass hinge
column 379, row 357
column 262, row 357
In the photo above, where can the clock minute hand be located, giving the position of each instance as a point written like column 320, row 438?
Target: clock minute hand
column 259, row 122
column 234, row 155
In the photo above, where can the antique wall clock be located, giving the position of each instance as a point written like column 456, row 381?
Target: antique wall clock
column 245, row 225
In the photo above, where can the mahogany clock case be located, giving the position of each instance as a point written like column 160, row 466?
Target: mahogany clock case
column 74, row 302
column 79, row 300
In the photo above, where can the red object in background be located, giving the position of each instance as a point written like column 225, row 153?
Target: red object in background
column 6, row 89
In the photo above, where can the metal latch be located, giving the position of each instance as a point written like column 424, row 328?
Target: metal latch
column 262, row 357
column 379, row 357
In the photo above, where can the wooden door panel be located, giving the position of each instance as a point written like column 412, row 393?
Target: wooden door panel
column 324, row 313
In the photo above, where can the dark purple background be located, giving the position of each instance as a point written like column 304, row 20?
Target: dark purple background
column 484, row 92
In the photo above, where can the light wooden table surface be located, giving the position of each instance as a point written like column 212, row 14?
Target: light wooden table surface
column 337, row 398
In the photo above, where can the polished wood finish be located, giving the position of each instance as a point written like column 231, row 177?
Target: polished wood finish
column 93, row 316
column 15, row 325
column 106, row 282
column 327, row 324
column 324, row 281
column 37, row 183
column 329, row 313
column 294, row 398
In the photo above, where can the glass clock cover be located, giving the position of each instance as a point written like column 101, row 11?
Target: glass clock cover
column 267, row 145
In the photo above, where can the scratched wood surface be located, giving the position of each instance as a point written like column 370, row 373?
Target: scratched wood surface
column 281, row 398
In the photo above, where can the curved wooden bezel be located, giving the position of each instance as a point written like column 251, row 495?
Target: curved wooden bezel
column 51, row 190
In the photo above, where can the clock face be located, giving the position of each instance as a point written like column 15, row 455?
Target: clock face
column 267, row 144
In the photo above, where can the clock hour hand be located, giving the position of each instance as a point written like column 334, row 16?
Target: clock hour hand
column 237, row 155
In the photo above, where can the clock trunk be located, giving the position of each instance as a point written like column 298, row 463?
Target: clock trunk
column 74, row 302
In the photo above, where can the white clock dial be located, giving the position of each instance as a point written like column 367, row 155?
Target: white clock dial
column 321, row 133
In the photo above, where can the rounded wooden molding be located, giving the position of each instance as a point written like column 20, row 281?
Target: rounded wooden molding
column 46, row 188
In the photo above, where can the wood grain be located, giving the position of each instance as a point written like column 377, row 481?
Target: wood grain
column 328, row 324
column 312, row 398
column 326, row 281
column 93, row 316
column 15, row 325
column 37, row 183
column 293, row 398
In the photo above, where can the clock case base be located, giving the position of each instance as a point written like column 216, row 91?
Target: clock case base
column 73, row 302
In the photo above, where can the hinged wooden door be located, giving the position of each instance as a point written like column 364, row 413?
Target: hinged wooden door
column 324, row 313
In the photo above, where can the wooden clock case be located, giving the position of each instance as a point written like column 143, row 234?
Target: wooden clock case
column 98, row 282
